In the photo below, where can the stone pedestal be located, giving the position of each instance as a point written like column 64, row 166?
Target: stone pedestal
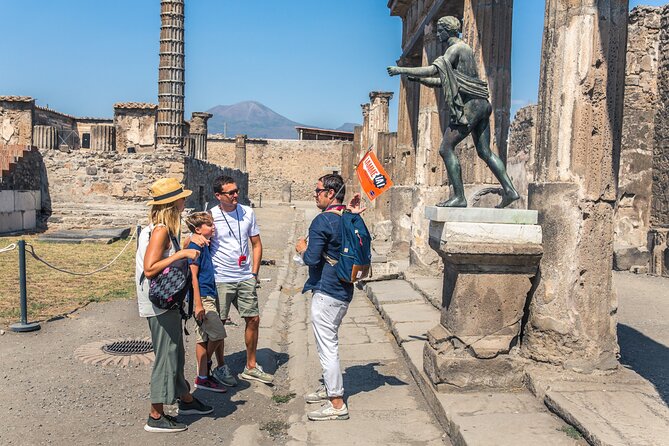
column 490, row 257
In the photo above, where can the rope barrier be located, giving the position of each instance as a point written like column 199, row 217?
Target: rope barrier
column 8, row 248
column 36, row 257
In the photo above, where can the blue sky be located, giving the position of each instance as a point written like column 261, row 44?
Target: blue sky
column 314, row 62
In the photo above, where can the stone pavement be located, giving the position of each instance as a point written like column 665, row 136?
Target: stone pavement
column 617, row 409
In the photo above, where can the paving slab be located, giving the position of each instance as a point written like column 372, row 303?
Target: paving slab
column 392, row 291
column 431, row 288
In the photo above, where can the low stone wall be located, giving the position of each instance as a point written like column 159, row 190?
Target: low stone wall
column 200, row 176
column 273, row 163
column 19, row 210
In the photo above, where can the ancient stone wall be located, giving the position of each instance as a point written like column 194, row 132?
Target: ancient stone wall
column 659, row 216
column 135, row 125
column 521, row 144
column 16, row 120
column 272, row 163
column 199, row 177
column 66, row 126
column 632, row 219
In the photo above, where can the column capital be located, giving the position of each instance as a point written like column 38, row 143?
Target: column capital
column 380, row 96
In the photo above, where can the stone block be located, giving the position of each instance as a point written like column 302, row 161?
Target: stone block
column 25, row 200
column 29, row 219
column 7, row 201
column 625, row 258
column 11, row 221
column 482, row 215
column 471, row 232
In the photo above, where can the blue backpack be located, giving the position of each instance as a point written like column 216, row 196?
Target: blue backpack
column 355, row 257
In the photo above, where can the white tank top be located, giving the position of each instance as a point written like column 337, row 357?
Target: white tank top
column 146, row 308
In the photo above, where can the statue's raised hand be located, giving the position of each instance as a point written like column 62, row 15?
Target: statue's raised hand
column 393, row 71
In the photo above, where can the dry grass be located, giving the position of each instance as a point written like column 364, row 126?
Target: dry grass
column 52, row 293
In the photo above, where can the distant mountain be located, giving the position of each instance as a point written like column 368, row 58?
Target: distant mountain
column 253, row 119
column 257, row 121
column 347, row 127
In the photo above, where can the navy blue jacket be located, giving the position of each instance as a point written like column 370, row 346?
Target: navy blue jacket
column 325, row 237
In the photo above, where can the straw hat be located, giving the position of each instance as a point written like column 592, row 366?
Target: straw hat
column 167, row 190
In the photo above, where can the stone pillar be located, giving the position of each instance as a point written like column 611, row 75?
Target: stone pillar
column 429, row 126
column 45, row 137
column 378, row 116
column 365, row 137
column 240, row 153
column 406, row 131
column 572, row 318
column 171, row 75
column 487, row 28
column 198, row 130
column 659, row 214
column 189, row 146
column 659, row 252
column 103, row 138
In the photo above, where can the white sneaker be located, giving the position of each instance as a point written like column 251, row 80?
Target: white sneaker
column 328, row 412
column 316, row 396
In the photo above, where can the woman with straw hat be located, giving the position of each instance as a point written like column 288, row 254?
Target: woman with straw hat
column 158, row 247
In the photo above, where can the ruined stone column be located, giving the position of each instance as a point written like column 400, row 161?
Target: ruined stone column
column 378, row 115
column 487, row 28
column 45, row 137
column 240, row 152
column 659, row 214
column 572, row 318
column 171, row 79
column 365, row 134
column 102, row 138
column 429, row 126
column 198, row 130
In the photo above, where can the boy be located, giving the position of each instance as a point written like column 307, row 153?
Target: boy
column 210, row 331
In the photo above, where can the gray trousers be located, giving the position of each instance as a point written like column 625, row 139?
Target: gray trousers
column 167, row 378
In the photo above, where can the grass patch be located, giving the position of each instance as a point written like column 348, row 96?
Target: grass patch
column 282, row 399
column 52, row 293
column 571, row 432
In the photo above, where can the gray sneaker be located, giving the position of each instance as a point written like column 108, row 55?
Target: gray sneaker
column 165, row 423
column 222, row 375
column 195, row 407
column 328, row 412
column 258, row 374
column 317, row 396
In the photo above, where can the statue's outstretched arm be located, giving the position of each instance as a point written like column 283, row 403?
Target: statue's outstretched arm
column 427, row 81
column 428, row 71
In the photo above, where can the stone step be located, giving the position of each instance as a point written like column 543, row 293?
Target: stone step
column 469, row 418
column 97, row 215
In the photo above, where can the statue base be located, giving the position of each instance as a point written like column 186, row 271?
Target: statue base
column 490, row 257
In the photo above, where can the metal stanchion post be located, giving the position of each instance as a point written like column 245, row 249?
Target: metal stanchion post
column 260, row 201
column 138, row 229
column 23, row 326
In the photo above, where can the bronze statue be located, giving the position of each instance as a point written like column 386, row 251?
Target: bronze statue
column 467, row 106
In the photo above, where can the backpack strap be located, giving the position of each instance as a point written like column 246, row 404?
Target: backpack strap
column 327, row 258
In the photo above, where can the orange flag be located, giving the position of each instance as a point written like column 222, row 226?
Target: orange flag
column 373, row 177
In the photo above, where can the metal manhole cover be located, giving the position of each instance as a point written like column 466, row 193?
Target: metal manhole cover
column 122, row 352
column 128, row 347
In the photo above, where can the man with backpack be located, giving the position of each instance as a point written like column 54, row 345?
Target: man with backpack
column 331, row 296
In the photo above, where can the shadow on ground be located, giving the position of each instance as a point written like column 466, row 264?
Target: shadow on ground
column 646, row 357
column 365, row 378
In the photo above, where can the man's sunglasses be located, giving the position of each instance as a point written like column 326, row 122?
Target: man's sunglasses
column 230, row 193
column 318, row 191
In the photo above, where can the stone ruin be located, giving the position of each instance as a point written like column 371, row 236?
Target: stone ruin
column 69, row 172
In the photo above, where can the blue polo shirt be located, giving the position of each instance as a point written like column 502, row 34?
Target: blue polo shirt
column 205, row 275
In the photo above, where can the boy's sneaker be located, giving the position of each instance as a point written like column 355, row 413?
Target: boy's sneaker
column 258, row 374
column 195, row 407
column 317, row 396
column 222, row 375
column 208, row 384
column 328, row 412
column 164, row 424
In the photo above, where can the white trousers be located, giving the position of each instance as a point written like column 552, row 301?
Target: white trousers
column 326, row 316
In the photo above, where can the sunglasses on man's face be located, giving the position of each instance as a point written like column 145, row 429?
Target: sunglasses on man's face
column 230, row 193
column 318, row 191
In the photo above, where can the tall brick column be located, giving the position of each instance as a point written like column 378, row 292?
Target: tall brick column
column 171, row 79
column 572, row 320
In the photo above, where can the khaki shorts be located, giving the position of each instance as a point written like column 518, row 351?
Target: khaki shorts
column 240, row 294
column 211, row 328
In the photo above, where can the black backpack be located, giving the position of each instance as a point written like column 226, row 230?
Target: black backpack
column 172, row 286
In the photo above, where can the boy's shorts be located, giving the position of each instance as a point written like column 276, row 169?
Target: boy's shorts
column 240, row 294
column 211, row 328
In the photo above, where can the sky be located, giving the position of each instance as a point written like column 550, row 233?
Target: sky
column 314, row 62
